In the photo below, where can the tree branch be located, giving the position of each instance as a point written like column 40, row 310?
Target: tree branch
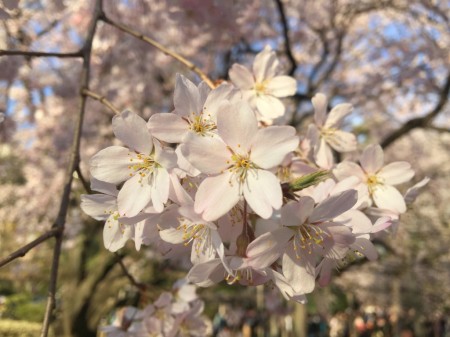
column 166, row 51
column 21, row 252
column 101, row 99
column 40, row 54
column 287, row 42
column 83, row 180
column 420, row 122
column 74, row 161
column 141, row 286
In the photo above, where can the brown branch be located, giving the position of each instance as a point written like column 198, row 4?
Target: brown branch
column 100, row 99
column 287, row 42
column 83, row 180
column 40, row 53
column 420, row 122
column 438, row 128
column 21, row 252
column 141, row 286
column 166, row 51
column 74, row 161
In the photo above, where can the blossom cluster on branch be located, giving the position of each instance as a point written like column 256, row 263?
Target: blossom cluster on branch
column 175, row 314
column 219, row 178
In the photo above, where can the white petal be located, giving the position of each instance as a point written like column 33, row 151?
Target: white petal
column 337, row 114
column 104, row 187
column 396, row 173
column 111, row 164
column 412, row 192
column 206, row 274
column 372, row 158
column 295, row 213
column 172, row 235
column 168, row 127
column 323, row 155
column 282, row 86
column 186, row 97
column 297, row 275
column 342, row 141
column 216, row 196
column 272, row 144
column 98, row 206
column 347, row 169
column 334, row 206
column 165, row 156
column 365, row 247
column 160, row 188
column 320, row 104
column 262, row 191
column 132, row 130
column 115, row 235
column 267, row 248
column 207, row 154
column 241, row 77
column 357, row 220
column 215, row 99
column 134, row 196
column 237, row 125
column 265, row 64
column 389, row 197
column 269, row 108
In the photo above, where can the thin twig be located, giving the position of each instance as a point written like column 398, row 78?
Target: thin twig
column 420, row 122
column 83, row 180
column 40, row 53
column 287, row 42
column 166, row 51
column 74, row 162
column 21, row 252
column 139, row 285
column 101, row 99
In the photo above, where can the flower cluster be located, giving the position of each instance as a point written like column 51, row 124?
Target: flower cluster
column 251, row 200
column 175, row 314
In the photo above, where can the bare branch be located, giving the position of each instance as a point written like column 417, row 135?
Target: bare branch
column 101, row 99
column 420, row 122
column 166, row 51
column 74, row 161
column 21, row 252
column 438, row 129
column 139, row 285
column 40, row 53
column 83, row 180
column 287, row 42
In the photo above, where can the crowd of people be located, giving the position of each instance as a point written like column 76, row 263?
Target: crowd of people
column 367, row 322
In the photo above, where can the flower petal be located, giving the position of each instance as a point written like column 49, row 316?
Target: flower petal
column 295, row 213
column 160, row 188
column 295, row 272
column 396, row 173
column 282, row 86
column 269, row 108
column 347, row 169
column 334, row 206
column 389, row 197
column 265, row 64
column 241, row 77
column 272, row 144
column 207, row 154
column 98, row 206
column 342, row 141
column 134, row 195
column 237, row 125
column 323, row 154
column 372, row 158
column 111, row 164
column 115, row 235
column 262, row 191
column 186, row 97
column 337, row 114
column 132, row 130
column 168, row 127
column 216, row 196
column 267, row 248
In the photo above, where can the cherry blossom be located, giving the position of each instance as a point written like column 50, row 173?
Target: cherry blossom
column 262, row 87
